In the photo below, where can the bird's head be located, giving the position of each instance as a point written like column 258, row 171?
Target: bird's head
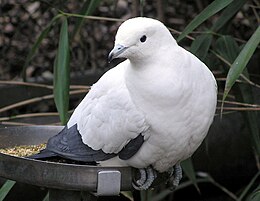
column 140, row 38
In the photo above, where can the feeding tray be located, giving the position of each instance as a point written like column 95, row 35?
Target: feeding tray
column 54, row 175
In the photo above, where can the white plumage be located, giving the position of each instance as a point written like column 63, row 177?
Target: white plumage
column 106, row 118
column 161, row 91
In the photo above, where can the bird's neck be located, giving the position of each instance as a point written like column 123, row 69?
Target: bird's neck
column 146, row 80
column 145, row 83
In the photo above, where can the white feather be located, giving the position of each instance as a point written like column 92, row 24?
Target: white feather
column 161, row 91
column 106, row 118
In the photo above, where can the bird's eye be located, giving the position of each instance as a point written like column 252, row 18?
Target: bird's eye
column 143, row 38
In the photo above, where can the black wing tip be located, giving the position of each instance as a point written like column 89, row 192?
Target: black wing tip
column 68, row 144
column 131, row 148
column 43, row 154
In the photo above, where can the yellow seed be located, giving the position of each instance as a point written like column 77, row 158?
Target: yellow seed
column 23, row 150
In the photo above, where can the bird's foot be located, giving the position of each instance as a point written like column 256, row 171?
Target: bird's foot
column 175, row 174
column 147, row 176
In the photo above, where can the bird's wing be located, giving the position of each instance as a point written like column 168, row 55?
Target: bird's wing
column 68, row 144
column 107, row 119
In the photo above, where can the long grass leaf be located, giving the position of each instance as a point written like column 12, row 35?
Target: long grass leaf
column 227, row 14
column 5, row 189
column 46, row 198
column 209, row 11
column 37, row 43
column 222, row 188
column 188, row 169
column 142, row 4
column 128, row 195
column 251, row 117
column 241, row 61
column 227, row 47
column 200, row 46
column 61, row 74
column 79, row 21
column 245, row 191
column 254, row 196
column 87, row 9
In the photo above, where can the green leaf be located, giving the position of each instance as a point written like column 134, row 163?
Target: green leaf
column 128, row 195
column 227, row 47
column 210, row 10
column 251, row 117
column 245, row 191
column 255, row 196
column 241, row 61
column 227, row 14
column 37, row 43
column 4, row 190
column 188, row 169
column 200, row 46
column 46, row 197
column 61, row 74
column 142, row 4
column 87, row 9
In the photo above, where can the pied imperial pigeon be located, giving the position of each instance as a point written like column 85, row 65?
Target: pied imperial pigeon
column 150, row 112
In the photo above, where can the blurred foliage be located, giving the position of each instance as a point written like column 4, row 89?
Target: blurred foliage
column 224, row 34
column 61, row 73
column 6, row 188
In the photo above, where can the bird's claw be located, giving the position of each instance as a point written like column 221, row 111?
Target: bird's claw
column 175, row 174
column 147, row 176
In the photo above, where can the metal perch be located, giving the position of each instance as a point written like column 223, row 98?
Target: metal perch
column 64, row 181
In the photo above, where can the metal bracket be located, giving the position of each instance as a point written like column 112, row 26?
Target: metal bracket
column 109, row 183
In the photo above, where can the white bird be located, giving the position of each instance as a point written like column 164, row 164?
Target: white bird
column 150, row 112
